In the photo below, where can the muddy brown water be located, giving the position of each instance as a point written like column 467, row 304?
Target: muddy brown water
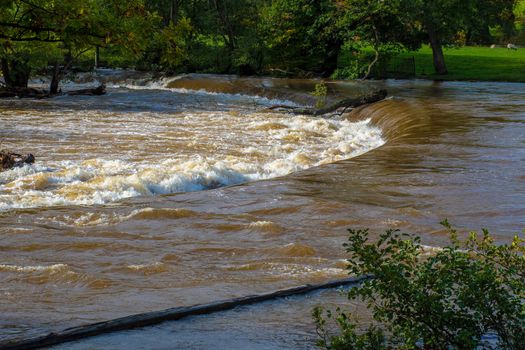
column 185, row 190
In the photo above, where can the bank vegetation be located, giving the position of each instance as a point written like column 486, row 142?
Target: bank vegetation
column 302, row 38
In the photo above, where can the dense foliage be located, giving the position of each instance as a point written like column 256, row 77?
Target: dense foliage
column 290, row 37
column 37, row 33
column 466, row 295
column 302, row 36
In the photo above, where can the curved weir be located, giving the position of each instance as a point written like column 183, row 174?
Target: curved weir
column 76, row 251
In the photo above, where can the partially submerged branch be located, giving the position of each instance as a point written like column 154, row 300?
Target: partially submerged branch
column 345, row 104
column 10, row 160
column 98, row 91
column 373, row 97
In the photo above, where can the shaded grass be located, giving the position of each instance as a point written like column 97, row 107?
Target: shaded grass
column 473, row 63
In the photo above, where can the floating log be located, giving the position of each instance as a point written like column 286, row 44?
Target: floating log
column 151, row 318
column 10, row 160
column 345, row 104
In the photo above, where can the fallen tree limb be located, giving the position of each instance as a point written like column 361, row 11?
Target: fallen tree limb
column 151, row 318
column 100, row 90
column 373, row 97
column 10, row 160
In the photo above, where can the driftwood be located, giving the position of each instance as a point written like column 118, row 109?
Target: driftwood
column 37, row 93
column 345, row 104
column 156, row 317
column 10, row 160
column 101, row 90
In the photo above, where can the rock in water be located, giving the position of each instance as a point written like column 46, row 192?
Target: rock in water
column 10, row 160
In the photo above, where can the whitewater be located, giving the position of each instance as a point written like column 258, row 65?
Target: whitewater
column 146, row 139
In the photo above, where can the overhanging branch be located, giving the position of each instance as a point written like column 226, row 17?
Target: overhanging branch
column 31, row 28
column 32, row 38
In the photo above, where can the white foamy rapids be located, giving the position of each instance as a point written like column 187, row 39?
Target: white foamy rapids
column 273, row 147
column 145, row 84
column 66, row 84
column 162, row 84
column 37, row 268
column 288, row 269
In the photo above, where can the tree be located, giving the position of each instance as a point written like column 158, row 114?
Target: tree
column 410, row 23
column 383, row 26
column 303, row 34
column 56, row 32
column 169, row 10
column 445, row 298
column 490, row 14
column 442, row 20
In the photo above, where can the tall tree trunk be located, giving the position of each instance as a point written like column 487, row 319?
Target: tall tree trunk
column 437, row 53
column 58, row 73
column 225, row 21
column 16, row 73
column 174, row 11
column 4, row 66
column 228, row 31
column 484, row 34
column 331, row 59
column 97, row 56
column 55, row 79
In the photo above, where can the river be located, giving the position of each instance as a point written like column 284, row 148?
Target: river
column 186, row 190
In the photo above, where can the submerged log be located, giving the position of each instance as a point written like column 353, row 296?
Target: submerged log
column 100, row 90
column 156, row 317
column 376, row 96
column 10, row 160
column 345, row 104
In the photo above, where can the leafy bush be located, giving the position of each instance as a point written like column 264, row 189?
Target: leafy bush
column 320, row 93
column 467, row 295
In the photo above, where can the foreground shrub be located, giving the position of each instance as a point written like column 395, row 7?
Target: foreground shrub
column 467, row 295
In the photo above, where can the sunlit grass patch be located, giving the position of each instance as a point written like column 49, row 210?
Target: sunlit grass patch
column 473, row 63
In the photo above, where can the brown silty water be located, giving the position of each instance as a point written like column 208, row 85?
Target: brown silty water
column 187, row 190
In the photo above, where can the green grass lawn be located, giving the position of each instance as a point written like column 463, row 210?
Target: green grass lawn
column 473, row 63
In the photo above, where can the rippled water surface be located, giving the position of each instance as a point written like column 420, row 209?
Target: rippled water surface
column 189, row 190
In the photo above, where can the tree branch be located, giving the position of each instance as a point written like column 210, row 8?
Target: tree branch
column 32, row 38
column 347, row 103
column 376, row 58
column 32, row 28
column 37, row 7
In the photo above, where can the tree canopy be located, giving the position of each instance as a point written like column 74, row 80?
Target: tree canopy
column 240, row 36
column 38, row 32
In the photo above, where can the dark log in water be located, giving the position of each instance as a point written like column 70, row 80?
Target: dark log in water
column 10, row 160
column 37, row 93
column 345, row 104
column 101, row 90
column 151, row 318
